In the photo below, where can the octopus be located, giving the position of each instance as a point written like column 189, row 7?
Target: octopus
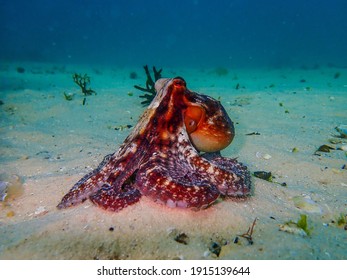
column 172, row 156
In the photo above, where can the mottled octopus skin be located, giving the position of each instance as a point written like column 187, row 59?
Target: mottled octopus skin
column 162, row 158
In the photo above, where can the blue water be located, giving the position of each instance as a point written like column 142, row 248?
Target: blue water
column 191, row 33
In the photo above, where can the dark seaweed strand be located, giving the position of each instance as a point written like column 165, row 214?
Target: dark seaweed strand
column 150, row 85
column 83, row 82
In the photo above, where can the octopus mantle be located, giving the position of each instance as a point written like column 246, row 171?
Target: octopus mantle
column 172, row 156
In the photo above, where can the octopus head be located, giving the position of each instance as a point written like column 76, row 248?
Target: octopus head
column 206, row 121
column 208, row 124
column 209, row 127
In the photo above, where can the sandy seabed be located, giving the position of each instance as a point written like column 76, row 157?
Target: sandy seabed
column 50, row 143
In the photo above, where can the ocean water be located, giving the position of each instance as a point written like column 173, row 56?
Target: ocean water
column 279, row 68
column 228, row 33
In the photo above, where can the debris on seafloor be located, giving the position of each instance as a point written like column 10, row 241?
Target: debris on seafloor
column 3, row 190
column 299, row 228
column 342, row 129
column 336, row 141
column 10, row 214
column 249, row 233
column 267, row 176
column 252, row 133
column 178, row 236
column 11, row 187
column 325, row 149
column 342, row 221
column 263, row 156
column 120, row 127
column 182, row 238
column 68, row 96
column 305, row 203
column 215, row 248
column 342, row 148
column 339, row 142
column 40, row 211
column 267, row 156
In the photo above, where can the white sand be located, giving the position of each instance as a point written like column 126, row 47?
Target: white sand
column 51, row 143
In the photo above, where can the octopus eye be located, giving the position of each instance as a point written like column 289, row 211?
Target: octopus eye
column 190, row 124
column 192, row 117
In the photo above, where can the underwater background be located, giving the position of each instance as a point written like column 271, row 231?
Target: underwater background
column 67, row 99
column 192, row 33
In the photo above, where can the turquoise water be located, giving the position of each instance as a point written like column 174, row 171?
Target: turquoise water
column 180, row 33
column 278, row 67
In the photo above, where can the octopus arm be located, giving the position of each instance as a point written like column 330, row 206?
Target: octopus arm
column 233, row 178
column 172, row 182
column 115, row 199
column 89, row 184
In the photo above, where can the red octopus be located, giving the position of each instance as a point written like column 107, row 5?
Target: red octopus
column 172, row 156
